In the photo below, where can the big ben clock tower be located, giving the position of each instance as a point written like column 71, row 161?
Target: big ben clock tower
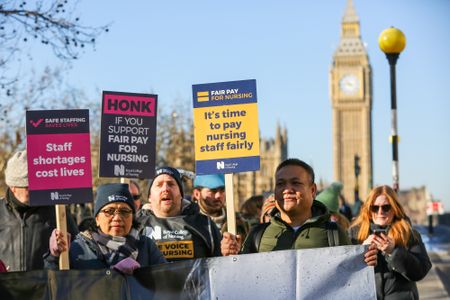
column 351, row 99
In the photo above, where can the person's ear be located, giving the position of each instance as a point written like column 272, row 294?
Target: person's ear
column 196, row 194
column 314, row 190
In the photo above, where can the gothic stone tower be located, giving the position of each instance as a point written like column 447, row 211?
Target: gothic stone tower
column 351, row 99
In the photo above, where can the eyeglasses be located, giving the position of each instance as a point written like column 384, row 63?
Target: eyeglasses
column 136, row 197
column 376, row 208
column 123, row 212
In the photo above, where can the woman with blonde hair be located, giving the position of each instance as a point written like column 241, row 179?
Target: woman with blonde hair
column 402, row 257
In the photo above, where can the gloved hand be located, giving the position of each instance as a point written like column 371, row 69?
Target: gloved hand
column 127, row 266
column 58, row 242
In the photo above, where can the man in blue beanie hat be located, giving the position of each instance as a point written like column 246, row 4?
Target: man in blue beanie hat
column 176, row 225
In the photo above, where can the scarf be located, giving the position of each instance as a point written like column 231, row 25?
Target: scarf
column 219, row 220
column 116, row 248
column 20, row 207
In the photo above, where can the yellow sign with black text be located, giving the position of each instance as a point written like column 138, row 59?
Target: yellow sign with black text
column 226, row 131
column 176, row 249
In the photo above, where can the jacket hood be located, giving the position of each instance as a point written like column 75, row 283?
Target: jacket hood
column 189, row 208
column 318, row 209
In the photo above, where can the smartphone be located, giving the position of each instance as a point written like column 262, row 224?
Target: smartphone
column 378, row 231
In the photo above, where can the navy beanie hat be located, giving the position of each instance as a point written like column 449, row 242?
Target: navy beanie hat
column 113, row 192
column 171, row 172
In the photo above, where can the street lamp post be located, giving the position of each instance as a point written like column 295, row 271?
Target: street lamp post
column 357, row 168
column 392, row 42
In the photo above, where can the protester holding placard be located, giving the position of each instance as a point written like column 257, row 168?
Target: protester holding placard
column 176, row 224
column 24, row 230
column 209, row 193
column 402, row 256
column 297, row 222
column 114, row 243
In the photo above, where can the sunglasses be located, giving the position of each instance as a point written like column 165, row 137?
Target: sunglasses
column 123, row 212
column 376, row 208
column 136, row 197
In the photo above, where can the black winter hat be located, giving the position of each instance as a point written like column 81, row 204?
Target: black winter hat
column 113, row 192
column 171, row 172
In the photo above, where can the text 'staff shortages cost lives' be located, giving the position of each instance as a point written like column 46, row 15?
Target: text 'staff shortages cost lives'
column 226, row 127
column 59, row 157
column 128, row 135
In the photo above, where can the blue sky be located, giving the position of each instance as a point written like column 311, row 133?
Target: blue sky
column 164, row 47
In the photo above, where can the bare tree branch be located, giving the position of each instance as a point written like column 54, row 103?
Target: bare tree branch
column 47, row 90
column 52, row 23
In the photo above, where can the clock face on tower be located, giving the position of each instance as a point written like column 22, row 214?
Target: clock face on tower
column 349, row 84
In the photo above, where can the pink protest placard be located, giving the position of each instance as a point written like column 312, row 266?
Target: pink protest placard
column 59, row 157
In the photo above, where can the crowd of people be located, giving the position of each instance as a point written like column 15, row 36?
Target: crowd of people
column 127, row 231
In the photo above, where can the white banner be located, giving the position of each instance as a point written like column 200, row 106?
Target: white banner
column 321, row 273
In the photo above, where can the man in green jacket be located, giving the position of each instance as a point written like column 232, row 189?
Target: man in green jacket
column 298, row 222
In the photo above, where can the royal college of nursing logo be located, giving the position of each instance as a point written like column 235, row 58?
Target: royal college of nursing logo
column 117, row 198
column 56, row 196
column 220, row 165
column 119, row 170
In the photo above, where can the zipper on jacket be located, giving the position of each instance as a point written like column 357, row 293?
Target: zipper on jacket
column 297, row 233
column 22, row 238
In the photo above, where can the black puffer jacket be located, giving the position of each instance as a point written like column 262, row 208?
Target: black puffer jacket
column 396, row 275
column 189, row 235
column 24, row 235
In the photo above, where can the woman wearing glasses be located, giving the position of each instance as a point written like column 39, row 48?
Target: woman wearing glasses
column 402, row 257
column 114, row 242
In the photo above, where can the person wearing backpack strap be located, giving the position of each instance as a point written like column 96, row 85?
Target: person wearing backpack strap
column 297, row 221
